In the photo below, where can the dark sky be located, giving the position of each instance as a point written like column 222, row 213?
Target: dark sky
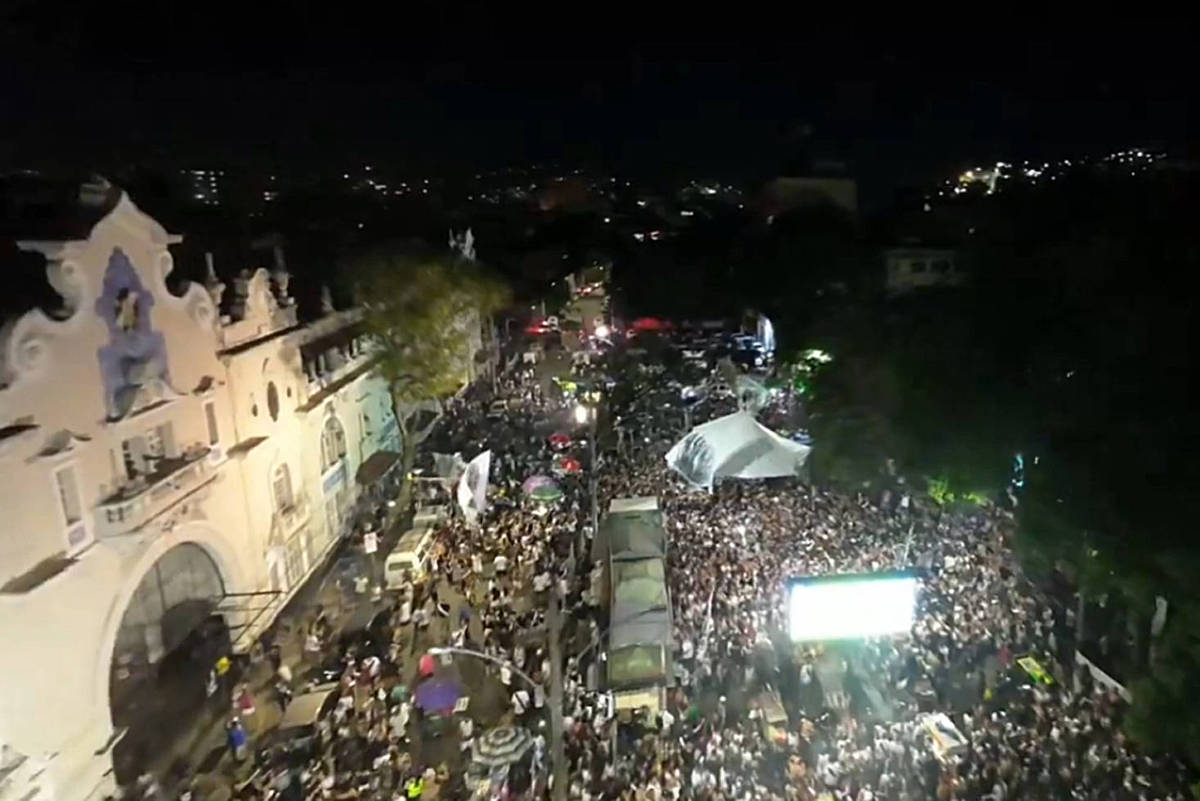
column 444, row 85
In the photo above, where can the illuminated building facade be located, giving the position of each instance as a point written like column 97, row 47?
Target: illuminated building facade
column 173, row 466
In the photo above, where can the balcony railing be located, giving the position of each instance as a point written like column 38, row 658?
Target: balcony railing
column 140, row 501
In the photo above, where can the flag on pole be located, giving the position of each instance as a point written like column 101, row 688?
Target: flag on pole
column 472, row 487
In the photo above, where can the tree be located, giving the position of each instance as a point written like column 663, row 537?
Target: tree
column 804, row 261
column 914, row 385
column 423, row 310
column 1070, row 347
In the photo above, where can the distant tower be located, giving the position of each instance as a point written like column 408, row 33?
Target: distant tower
column 463, row 245
column 214, row 285
column 326, row 300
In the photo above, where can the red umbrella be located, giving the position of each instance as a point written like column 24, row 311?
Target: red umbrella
column 560, row 440
column 426, row 665
column 570, row 465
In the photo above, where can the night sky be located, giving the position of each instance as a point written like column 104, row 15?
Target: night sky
column 442, row 86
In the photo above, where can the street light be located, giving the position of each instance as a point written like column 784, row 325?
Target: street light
column 588, row 414
column 448, row 650
column 558, row 756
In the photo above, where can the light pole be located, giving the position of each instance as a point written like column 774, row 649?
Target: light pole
column 589, row 414
column 558, row 754
column 442, row 650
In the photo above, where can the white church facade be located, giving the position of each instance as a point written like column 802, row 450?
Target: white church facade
column 160, row 463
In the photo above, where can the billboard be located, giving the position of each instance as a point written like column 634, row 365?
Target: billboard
column 850, row 606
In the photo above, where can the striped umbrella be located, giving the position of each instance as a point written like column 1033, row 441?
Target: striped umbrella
column 501, row 746
column 534, row 482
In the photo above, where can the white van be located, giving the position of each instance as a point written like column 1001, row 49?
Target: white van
column 410, row 560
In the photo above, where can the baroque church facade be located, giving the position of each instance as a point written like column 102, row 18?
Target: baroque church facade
column 169, row 464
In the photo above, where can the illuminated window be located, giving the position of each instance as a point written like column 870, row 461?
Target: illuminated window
column 154, row 443
column 68, row 495
column 294, row 560
column 333, row 443
column 210, row 418
column 281, row 481
column 131, row 456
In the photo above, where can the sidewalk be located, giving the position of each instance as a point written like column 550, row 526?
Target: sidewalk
column 202, row 744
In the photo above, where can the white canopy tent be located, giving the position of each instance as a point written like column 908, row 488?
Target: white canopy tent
column 735, row 446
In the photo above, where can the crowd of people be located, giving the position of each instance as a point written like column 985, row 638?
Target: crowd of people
column 855, row 727
column 863, row 736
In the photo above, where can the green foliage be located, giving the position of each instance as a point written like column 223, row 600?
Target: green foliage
column 420, row 308
column 914, row 385
column 1068, row 347
column 1155, row 721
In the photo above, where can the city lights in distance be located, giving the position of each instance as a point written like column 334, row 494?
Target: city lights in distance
column 850, row 606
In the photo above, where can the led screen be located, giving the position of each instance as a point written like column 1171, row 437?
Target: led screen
column 844, row 607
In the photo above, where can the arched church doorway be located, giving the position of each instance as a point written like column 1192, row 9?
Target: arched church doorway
column 169, row 639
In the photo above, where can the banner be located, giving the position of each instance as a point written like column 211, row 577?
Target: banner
column 472, row 487
column 1035, row 670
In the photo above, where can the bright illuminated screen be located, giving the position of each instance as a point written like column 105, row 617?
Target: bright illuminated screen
column 845, row 607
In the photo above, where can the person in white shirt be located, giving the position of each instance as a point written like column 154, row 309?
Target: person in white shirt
column 520, row 702
column 466, row 732
column 399, row 722
column 539, row 751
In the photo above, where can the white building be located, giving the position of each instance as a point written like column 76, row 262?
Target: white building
column 169, row 476
column 912, row 268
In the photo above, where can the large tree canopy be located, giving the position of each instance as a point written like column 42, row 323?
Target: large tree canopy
column 424, row 311
column 1071, row 348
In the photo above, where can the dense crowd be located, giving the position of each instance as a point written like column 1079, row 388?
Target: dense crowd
column 730, row 556
column 855, row 714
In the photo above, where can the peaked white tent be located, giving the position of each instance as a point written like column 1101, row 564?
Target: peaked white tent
column 735, row 446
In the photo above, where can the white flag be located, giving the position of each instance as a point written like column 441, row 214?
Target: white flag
column 472, row 487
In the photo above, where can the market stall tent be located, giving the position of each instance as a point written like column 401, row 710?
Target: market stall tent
column 735, row 446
